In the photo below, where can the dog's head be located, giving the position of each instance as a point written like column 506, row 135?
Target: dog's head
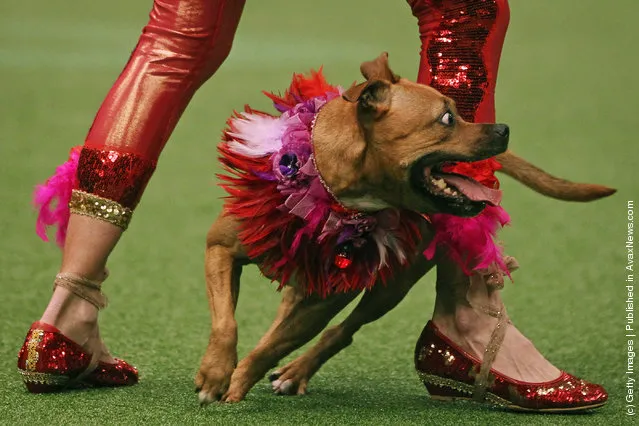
column 383, row 144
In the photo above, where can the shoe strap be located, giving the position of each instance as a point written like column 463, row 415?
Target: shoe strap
column 84, row 288
column 493, row 278
column 490, row 353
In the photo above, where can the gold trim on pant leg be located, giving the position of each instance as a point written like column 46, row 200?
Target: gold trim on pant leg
column 100, row 208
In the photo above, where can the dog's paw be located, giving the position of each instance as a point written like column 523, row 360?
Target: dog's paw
column 293, row 378
column 233, row 396
column 289, row 387
column 213, row 379
column 210, row 387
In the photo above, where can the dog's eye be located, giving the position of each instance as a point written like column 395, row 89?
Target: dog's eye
column 447, row 119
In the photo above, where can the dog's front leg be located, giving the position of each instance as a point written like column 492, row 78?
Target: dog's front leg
column 292, row 379
column 223, row 263
column 299, row 319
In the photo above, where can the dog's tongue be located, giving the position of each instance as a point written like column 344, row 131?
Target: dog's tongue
column 473, row 189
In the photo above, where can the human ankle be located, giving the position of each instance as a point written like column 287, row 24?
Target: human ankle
column 466, row 311
column 467, row 303
column 464, row 320
column 73, row 315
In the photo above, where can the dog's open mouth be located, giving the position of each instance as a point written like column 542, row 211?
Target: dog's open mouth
column 452, row 193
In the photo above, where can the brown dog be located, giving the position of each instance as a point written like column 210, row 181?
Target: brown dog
column 391, row 137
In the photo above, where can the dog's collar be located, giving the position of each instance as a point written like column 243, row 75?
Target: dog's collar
column 289, row 217
column 319, row 174
column 338, row 204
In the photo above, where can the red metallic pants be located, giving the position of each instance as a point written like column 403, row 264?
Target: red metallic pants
column 183, row 45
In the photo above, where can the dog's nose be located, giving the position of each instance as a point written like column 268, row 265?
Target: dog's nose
column 502, row 130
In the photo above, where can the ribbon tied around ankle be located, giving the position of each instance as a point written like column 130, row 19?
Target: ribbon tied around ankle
column 482, row 283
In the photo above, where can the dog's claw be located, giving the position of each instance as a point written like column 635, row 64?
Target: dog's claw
column 274, row 376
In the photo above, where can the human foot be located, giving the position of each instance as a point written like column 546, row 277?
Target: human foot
column 471, row 313
column 73, row 310
column 450, row 373
column 65, row 348
column 472, row 348
column 49, row 362
column 516, row 358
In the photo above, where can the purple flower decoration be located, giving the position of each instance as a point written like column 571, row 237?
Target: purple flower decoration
column 289, row 165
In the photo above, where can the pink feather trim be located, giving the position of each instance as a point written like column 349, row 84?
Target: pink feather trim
column 470, row 242
column 52, row 199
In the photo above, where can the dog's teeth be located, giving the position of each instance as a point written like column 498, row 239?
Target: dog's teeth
column 440, row 183
column 448, row 191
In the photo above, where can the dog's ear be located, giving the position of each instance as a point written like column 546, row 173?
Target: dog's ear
column 355, row 91
column 374, row 70
column 372, row 97
column 378, row 69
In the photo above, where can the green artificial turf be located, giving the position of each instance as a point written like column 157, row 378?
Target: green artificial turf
column 567, row 88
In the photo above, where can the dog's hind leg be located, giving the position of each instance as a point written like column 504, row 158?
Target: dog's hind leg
column 224, row 260
column 292, row 379
column 299, row 319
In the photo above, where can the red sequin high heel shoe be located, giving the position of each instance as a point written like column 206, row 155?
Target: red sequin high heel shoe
column 449, row 373
column 49, row 361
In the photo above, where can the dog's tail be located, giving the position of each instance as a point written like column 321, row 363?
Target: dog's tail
column 547, row 184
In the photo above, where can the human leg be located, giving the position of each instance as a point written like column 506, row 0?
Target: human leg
column 461, row 47
column 182, row 46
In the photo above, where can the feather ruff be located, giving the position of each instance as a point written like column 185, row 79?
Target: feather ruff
column 288, row 220
column 51, row 199
column 470, row 242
